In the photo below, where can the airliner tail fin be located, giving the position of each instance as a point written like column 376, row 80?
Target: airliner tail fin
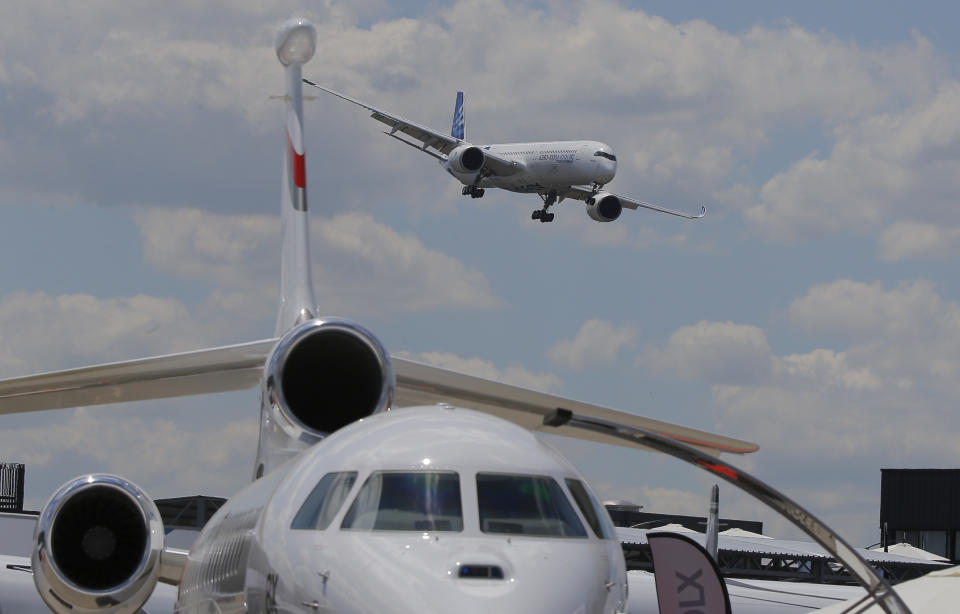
column 458, row 131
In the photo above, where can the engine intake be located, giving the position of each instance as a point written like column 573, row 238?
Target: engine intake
column 97, row 547
column 321, row 376
column 466, row 159
column 604, row 207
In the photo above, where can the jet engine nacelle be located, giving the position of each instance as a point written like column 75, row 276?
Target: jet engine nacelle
column 466, row 159
column 604, row 207
column 322, row 375
column 97, row 547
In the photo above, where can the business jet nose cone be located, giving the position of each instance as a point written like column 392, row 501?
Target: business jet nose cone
column 296, row 41
column 440, row 574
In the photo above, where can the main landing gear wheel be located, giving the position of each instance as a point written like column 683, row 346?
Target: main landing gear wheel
column 542, row 214
column 473, row 191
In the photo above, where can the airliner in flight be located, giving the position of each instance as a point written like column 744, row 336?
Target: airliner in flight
column 555, row 170
column 375, row 489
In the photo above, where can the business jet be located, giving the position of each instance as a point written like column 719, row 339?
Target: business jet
column 380, row 484
column 554, row 170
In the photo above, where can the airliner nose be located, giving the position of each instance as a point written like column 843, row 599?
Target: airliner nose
column 609, row 172
column 606, row 163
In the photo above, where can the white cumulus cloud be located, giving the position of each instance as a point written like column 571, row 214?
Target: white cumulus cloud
column 596, row 344
column 359, row 265
column 714, row 352
column 916, row 240
column 877, row 166
column 865, row 311
column 158, row 454
column 479, row 367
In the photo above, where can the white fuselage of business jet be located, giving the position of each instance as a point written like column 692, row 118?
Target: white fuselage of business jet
column 413, row 511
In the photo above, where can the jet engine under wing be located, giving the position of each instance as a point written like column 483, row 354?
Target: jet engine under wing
column 237, row 367
column 426, row 136
column 579, row 192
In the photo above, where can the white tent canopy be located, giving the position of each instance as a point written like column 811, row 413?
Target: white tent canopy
column 736, row 532
column 905, row 549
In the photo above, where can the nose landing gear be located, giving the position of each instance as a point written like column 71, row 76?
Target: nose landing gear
column 548, row 201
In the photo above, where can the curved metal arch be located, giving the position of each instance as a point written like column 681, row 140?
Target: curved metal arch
column 876, row 587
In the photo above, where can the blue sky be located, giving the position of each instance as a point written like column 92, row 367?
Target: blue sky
column 813, row 310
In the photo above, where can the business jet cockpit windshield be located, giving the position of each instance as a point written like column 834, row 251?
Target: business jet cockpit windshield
column 525, row 505
column 510, row 504
column 402, row 501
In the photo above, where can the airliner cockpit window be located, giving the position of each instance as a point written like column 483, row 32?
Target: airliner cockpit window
column 525, row 505
column 324, row 501
column 414, row 501
column 606, row 155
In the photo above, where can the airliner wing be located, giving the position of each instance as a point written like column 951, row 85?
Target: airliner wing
column 579, row 192
column 428, row 137
column 237, row 367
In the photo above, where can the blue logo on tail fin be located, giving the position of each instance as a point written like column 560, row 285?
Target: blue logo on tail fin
column 458, row 130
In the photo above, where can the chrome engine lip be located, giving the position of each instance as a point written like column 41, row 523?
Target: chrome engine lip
column 274, row 399
column 63, row 596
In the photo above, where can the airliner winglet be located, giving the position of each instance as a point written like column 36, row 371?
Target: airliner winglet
column 554, row 170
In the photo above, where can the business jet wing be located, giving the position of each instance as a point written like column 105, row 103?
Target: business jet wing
column 579, row 192
column 421, row 384
column 427, row 137
column 234, row 367
column 237, row 367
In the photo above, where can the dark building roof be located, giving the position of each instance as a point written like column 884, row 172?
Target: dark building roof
column 193, row 512
column 11, row 487
column 648, row 520
column 920, row 498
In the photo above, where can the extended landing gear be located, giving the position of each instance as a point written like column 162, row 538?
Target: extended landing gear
column 542, row 214
column 473, row 191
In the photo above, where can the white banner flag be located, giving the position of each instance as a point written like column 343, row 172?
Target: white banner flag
column 687, row 578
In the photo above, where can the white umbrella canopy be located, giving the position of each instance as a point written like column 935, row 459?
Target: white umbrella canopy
column 672, row 528
column 737, row 532
column 905, row 549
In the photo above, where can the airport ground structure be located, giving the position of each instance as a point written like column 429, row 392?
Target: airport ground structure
column 743, row 552
column 921, row 507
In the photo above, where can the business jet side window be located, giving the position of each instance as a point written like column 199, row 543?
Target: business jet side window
column 525, row 505
column 597, row 516
column 407, row 501
column 324, row 501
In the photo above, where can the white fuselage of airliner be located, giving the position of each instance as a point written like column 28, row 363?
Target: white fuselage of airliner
column 552, row 165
